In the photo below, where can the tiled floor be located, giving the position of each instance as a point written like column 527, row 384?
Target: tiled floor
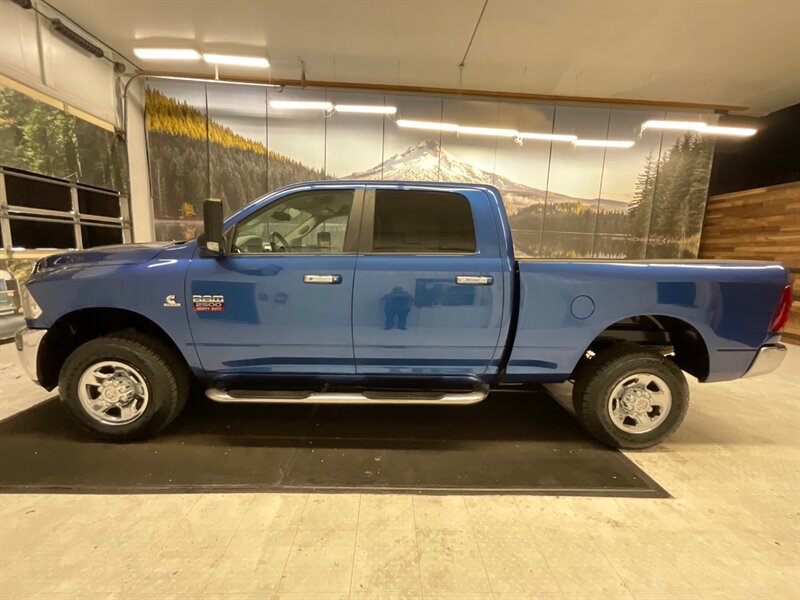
column 732, row 529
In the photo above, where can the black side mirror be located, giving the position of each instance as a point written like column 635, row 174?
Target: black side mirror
column 212, row 239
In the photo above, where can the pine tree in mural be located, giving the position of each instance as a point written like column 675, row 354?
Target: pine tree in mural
column 183, row 164
column 680, row 198
column 666, row 213
column 41, row 138
column 38, row 137
column 639, row 211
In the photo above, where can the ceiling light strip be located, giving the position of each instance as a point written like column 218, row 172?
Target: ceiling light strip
column 429, row 125
column 166, row 53
column 300, row 105
column 239, row 61
column 680, row 125
column 734, row 131
column 700, row 127
column 604, row 143
column 553, row 137
column 366, row 109
column 488, row 131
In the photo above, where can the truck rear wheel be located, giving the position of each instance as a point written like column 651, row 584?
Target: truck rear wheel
column 124, row 387
column 630, row 397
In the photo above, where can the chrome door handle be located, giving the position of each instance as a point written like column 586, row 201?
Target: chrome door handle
column 474, row 280
column 322, row 279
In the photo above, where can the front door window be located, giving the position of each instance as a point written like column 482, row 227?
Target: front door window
column 312, row 222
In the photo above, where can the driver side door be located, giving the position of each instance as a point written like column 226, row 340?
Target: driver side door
column 280, row 302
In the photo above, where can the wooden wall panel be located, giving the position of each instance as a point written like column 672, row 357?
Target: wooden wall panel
column 760, row 224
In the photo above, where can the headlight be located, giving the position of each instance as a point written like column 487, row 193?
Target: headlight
column 30, row 308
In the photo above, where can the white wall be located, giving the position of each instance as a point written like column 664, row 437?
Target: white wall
column 31, row 53
column 138, row 167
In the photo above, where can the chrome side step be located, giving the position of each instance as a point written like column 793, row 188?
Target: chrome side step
column 235, row 396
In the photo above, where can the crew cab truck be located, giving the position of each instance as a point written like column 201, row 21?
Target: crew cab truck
column 387, row 292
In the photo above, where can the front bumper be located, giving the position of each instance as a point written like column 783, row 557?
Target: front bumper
column 767, row 359
column 27, row 342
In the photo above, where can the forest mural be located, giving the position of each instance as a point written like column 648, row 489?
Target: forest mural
column 40, row 138
column 37, row 137
column 563, row 201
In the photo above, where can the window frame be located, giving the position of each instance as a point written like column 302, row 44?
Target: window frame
column 351, row 236
column 367, row 236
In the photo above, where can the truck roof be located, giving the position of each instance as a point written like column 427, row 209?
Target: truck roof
column 390, row 182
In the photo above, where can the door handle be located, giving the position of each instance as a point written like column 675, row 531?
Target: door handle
column 474, row 279
column 322, row 278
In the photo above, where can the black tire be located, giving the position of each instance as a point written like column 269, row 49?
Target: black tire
column 597, row 378
column 163, row 371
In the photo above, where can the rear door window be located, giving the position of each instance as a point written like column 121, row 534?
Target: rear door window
column 422, row 222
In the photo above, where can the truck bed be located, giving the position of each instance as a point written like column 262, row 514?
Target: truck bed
column 565, row 304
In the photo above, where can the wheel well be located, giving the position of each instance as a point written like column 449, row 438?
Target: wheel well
column 76, row 328
column 671, row 334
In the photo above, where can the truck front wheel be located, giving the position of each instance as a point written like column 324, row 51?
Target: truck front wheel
column 630, row 397
column 124, row 386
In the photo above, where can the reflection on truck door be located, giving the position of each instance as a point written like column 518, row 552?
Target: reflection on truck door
column 410, row 315
column 286, row 290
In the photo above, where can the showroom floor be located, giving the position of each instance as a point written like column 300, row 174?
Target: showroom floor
column 731, row 530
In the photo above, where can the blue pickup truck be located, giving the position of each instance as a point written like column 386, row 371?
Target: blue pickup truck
column 387, row 292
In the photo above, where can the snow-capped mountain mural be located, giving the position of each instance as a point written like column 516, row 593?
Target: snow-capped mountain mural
column 427, row 161
column 222, row 142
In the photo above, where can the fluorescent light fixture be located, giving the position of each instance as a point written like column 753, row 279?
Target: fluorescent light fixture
column 363, row 108
column 735, row 131
column 166, row 53
column 300, row 105
column 604, row 143
column 488, row 131
column 700, row 127
column 430, row 125
column 240, row 61
column 553, row 137
column 681, row 125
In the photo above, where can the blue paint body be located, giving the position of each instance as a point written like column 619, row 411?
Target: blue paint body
column 730, row 305
column 449, row 329
column 403, row 315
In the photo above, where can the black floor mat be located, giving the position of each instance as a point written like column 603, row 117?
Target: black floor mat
column 510, row 443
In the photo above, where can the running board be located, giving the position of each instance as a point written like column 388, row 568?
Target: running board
column 248, row 396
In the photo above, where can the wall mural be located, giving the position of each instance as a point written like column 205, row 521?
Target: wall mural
column 40, row 138
column 563, row 200
column 37, row 137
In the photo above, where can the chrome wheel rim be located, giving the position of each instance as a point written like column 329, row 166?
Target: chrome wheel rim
column 113, row 393
column 639, row 403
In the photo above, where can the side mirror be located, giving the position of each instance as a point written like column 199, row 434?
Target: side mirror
column 212, row 239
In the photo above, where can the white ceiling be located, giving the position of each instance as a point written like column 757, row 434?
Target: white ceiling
column 737, row 52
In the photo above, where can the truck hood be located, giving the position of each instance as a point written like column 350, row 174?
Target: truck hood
column 119, row 254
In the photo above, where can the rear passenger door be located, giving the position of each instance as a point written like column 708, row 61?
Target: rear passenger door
column 428, row 289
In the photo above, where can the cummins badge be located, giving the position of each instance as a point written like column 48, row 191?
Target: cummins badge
column 170, row 302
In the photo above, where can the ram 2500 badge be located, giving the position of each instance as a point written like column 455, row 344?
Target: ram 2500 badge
column 387, row 292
